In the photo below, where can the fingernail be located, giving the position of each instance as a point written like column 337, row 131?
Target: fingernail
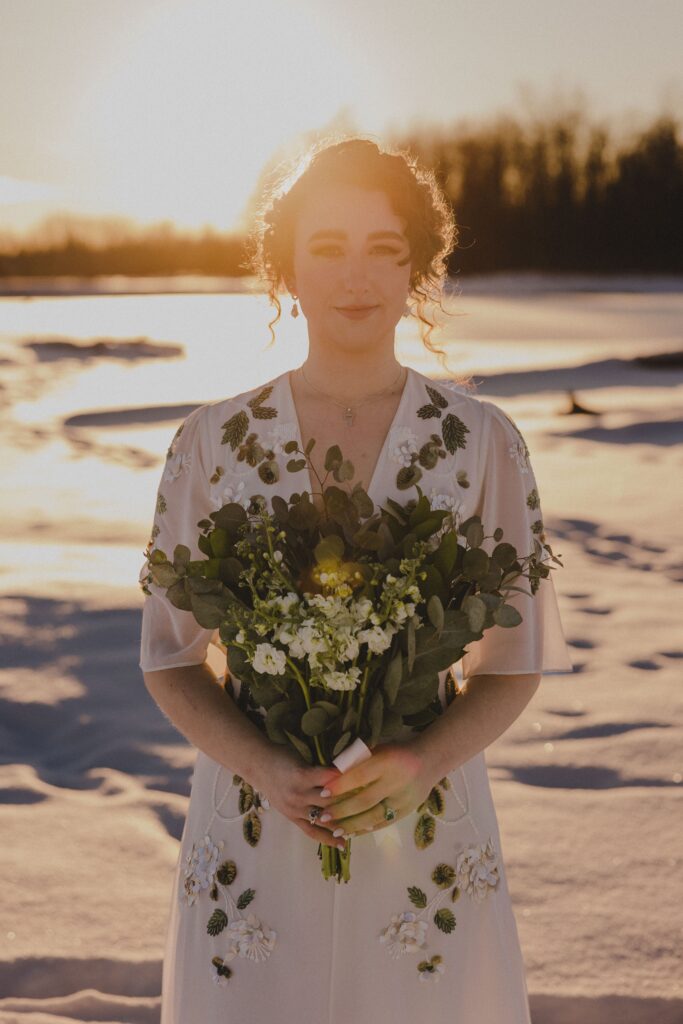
column 338, row 832
column 325, row 817
column 324, row 792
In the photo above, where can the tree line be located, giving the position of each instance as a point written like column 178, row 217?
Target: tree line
column 557, row 195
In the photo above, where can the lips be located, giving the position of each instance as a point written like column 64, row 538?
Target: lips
column 354, row 309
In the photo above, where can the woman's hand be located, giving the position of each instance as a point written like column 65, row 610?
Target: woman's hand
column 396, row 772
column 293, row 787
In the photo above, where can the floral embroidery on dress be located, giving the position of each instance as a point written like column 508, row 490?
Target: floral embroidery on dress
column 176, row 464
column 403, row 445
column 520, row 453
column 172, row 446
column 532, row 499
column 452, row 504
column 201, row 864
column 161, row 504
column 475, row 872
column 477, row 869
column 226, row 492
column 405, row 934
column 453, row 429
column 241, row 936
column 281, row 433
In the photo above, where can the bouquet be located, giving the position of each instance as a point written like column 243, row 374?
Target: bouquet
column 338, row 622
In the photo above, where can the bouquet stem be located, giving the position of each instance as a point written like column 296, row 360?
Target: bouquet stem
column 336, row 862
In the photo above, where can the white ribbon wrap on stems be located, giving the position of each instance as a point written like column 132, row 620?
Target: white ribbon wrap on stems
column 352, row 755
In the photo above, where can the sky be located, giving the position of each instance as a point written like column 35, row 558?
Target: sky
column 172, row 109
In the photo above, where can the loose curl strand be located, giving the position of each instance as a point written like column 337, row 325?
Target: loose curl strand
column 414, row 194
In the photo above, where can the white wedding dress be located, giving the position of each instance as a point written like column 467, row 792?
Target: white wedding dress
column 392, row 946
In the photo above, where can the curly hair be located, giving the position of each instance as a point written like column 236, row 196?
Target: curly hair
column 413, row 192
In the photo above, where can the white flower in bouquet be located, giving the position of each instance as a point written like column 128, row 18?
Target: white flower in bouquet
column 349, row 647
column 336, row 680
column 377, row 639
column 268, row 659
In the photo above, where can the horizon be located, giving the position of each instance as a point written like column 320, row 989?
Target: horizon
column 112, row 130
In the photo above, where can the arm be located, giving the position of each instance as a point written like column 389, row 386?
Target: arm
column 480, row 713
column 203, row 711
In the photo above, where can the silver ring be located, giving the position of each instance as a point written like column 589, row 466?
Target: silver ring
column 389, row 812
column 313, row 814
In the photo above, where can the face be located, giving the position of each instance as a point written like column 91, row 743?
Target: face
column 350, row 250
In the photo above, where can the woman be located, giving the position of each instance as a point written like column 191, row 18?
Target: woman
column 256, row 934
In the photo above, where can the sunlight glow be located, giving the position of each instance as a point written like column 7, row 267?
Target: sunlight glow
column 184, row 126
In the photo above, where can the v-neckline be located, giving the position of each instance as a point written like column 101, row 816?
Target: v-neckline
column 382, row 450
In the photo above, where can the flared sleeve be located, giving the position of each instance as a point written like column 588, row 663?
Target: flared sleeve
column 509, row 499
column 171, row 637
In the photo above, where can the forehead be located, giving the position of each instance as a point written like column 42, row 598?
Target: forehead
column 347, row 208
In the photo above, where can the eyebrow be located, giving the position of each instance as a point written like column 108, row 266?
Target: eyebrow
column 334, row 233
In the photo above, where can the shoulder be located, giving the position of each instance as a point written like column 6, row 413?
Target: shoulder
column 209, row 418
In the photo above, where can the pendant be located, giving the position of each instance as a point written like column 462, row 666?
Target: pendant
column 348, row 415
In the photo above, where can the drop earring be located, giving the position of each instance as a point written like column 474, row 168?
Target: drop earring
column 406, row 310
column 295, row 308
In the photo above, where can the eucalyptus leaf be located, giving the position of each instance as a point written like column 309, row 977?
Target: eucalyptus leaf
column 341, row 744
column 299, row 745
column 208, row 609
column 507, row 616
column 375, row 717
column 435, row 611
column 164, row 575
column 181, row 556
column 415, row 694
column 392, row 678
column 315, row 721
column 475, row 610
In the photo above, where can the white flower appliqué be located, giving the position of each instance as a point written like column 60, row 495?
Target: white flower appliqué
column 202, row 861
column 520, row 452
column 248, row 937
column 402, row 445
column 477, row 869
column 405, row 934
column 281, row 433
column 176, row 464
column 224, row 493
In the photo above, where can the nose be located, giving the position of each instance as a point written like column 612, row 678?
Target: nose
column 355, row 277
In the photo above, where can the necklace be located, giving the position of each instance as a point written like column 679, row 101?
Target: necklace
column 350, row 408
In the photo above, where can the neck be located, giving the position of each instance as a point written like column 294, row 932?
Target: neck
column 353, row 376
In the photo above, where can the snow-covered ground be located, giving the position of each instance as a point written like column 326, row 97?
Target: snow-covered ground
column 94, row 780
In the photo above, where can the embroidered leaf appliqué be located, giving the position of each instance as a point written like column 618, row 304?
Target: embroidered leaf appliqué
column 435, row 801
column 251, row 828
column 443, row 875
column 222, row 969
column 226, row 872
column 417, row 897
column 245, row 898
column 454, row 431
column 261, row 397
column 427, row 412
column 235, row 429
column 407, row 476
column 266, row 412
column 424, row 831
column 246, row 797
column 436, row 397
column 445, row 920
column 217, row 922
